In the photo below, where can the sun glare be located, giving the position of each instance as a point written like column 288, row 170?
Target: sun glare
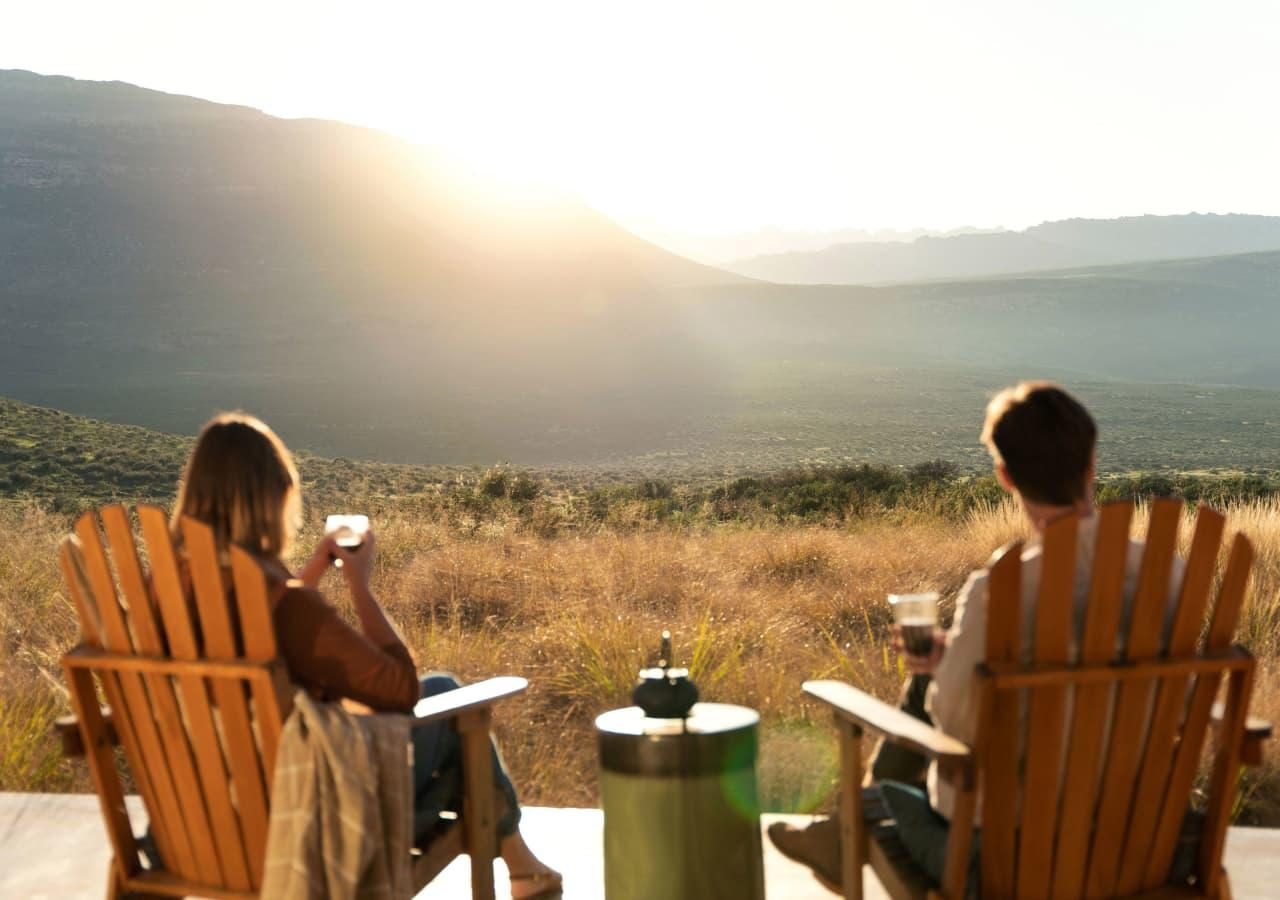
column 717, row 116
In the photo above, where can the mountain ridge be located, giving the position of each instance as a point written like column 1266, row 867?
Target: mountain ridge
column 1060, row 244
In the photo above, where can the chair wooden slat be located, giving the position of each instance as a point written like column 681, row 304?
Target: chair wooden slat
column 1129, row 720
column 141, row 738
column 168, row 716
column 214, row 778
column 253, row 602
column 1222, row 626
column 167, row 580
column 77, row 581
column 216, row 782
column 1089, row 714
column 1151, row 600
column 115, row 522
column 272, row 698
column 210, row 588
column 93, row 556
column 1171, row 703
column 1000, row 747
column 229, row 693
column 247, row 776
column 1051, row 644
column 1231, row 593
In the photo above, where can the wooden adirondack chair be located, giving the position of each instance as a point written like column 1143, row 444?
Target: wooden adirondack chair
column 198, row 706
column 1112, row 827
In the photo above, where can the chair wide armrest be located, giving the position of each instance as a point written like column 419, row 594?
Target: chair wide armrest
column 865, row 711
column 471, row 696
column 1255, row 732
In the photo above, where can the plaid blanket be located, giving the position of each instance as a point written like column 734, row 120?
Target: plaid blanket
column 341, row 806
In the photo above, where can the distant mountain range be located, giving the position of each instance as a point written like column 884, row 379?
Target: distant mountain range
column 1053, row 245
column 1209, row 321
column 163, row 257
column 728, row 249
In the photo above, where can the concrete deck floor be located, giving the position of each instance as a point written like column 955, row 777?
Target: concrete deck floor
column 54, row 846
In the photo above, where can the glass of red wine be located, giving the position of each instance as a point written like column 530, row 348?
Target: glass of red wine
column 916, row 616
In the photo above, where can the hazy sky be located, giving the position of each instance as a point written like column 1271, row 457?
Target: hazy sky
column 713, row 117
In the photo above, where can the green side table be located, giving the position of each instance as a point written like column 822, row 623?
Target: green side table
column 681, row 811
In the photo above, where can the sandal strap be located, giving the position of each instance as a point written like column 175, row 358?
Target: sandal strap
column 539, row 876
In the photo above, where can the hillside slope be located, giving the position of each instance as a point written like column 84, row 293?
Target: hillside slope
column 162, row 256
column 1064, row 244
column 71, row 462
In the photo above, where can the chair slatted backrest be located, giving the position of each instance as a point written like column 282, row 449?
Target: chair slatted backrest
column 197, row 693
column 1087, row 759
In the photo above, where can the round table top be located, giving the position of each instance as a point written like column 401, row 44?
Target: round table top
column 714, row 739
column 704, row 718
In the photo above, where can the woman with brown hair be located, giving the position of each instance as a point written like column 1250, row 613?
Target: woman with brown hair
column 241, row 481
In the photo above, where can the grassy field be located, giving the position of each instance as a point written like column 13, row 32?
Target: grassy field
column 765, row 581
column 755, row 609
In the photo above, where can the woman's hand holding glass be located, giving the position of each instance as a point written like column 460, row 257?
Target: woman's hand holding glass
column 321, row 559
column 357, row 562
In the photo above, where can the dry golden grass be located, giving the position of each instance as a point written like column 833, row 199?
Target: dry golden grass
column 754, row 611
column 37, row 625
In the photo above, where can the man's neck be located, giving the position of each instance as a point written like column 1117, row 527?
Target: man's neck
column 1041, row 514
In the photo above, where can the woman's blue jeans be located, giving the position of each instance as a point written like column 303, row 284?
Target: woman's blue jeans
column 437, row 771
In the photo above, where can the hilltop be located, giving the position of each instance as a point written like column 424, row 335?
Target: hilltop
column 1065, row 244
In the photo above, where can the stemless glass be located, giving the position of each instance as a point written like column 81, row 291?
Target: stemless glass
column 916, row 615
column 348, row 532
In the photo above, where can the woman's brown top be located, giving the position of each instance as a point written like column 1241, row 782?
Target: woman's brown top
column 331, row 659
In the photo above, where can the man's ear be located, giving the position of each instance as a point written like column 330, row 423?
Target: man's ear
column 1002, row 476
column 1090, row 477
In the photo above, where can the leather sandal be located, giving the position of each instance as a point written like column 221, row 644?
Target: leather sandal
column 548, row 885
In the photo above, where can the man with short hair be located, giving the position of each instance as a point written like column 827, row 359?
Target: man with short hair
column 1042, row 443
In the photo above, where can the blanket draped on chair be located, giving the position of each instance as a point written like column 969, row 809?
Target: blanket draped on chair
column 341, row 806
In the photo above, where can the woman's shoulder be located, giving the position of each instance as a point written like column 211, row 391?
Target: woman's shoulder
column 292, row 599
column 293, row 591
